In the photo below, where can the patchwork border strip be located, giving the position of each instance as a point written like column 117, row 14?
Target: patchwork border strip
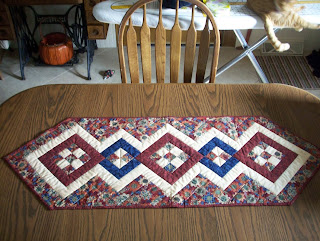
column 165, row 162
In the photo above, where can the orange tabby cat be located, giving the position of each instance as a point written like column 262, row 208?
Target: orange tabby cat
column 280, row 13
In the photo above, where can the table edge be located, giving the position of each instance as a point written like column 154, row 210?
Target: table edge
column 272, row 85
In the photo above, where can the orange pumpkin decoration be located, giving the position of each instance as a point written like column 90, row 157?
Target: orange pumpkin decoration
column 55, row 48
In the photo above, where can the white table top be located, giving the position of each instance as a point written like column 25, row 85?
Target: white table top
column 240, row 16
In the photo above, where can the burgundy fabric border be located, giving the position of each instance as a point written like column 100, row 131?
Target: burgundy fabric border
column 242, row 155
column 145, row 159
column 172, row 205
column 95, row 158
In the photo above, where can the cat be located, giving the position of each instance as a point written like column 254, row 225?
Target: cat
column 280, row 13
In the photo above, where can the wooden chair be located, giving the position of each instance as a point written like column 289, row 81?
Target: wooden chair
column 160, row 47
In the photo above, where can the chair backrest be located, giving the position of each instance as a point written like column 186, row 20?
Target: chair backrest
column 160, row 46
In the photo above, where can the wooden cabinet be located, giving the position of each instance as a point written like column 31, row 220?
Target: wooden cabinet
column 96, row 32
column 96, row 29
column 6, row 26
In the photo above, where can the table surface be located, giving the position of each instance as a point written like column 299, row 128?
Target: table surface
column 26, row 115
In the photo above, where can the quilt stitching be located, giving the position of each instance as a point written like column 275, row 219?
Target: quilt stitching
column 165, row 162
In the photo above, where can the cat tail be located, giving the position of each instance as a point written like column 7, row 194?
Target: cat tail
column 273, row 38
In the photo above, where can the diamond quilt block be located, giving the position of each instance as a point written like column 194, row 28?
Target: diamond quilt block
column 170, row 177
column 221, row 168
column 119, row 167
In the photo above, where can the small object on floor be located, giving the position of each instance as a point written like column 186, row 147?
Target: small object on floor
column 107, row 74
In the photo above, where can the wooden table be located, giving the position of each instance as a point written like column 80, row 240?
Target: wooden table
column 24, row 116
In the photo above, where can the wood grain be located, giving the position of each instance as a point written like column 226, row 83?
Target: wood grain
column 26, row 115
column 190, row 50
column 160, row 48
column 145, row 48
column 132, row 53
column 228, row 38
column 175, row 48
column 168, row 36
column 203, row 53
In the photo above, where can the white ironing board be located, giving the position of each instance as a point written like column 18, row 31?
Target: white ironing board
column 240, row 18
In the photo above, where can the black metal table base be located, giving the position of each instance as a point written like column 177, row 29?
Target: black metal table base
column 91, row 46
column 27, row 45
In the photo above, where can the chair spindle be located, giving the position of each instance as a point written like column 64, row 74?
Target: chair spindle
column 190, row 50
column 175, row 49
column 145, row 48
column 203, row 53
column 132, row 53
column 160, row 48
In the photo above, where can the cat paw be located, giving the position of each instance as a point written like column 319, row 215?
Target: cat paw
column 283, row 47
column 298, row 29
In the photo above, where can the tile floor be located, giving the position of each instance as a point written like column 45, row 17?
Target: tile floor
column 106, row 58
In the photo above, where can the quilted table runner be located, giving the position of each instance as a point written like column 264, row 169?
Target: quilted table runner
column 165, row 162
